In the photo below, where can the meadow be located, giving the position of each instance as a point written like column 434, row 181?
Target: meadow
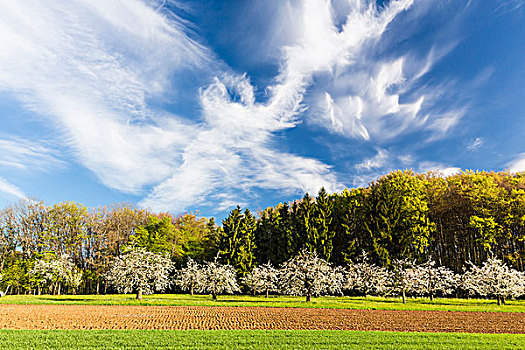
column 363, row 303
column 236, row 339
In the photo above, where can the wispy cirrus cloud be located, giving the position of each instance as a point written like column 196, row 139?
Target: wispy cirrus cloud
column 26, row 155
column 93, row 68
column 102, row 74
column 376, row 162
column 235, row 150
column 89, row 67
column 240, row 129
column 379, row 98
column 8, row 189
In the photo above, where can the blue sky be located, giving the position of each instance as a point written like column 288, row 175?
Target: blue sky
column 203, row 105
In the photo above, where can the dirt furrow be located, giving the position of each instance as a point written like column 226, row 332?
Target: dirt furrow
column 197, row 317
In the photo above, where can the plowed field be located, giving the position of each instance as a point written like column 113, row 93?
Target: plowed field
column 196, row 317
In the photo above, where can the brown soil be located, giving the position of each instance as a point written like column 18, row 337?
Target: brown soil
column 196, row 317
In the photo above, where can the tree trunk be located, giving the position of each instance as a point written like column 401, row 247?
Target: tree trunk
column 139, row 293
column 214, row 296
column 503, row 300
column 267, row 291
column 404, row 297
column 58, row 289
column 309, row 296
column 499, row 301
column 431, row 296
column 191, row 289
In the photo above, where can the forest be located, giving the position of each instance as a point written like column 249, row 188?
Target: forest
column 454, row 221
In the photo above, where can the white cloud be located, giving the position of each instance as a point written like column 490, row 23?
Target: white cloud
column 506, row 6
column 380, row 160
column 26, row 155
column 90, row 66
column 475, row 144
column 234, row 150
column 356, row 93
column 443, row 169
column 10, row 190
column 518, row 164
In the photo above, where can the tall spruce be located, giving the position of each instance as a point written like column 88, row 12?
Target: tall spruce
column 307, row 231
column 237, row 243
column 348, row 241
column 323, row 233
column 284, row 231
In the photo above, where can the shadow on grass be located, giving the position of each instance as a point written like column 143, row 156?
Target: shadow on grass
column 471, row 302
column 78, row 300
column 261, row 301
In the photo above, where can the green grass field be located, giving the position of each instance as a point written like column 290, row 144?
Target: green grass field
column 136, row 339
column 368, row 303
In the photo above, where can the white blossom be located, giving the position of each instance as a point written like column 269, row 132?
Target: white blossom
column 218, row 279
column 367, row 278
column 263, row 278
column 140, row 271
column 190, row 277
column 494, row 279
column 431, row 280
column 404, row 277
column 307, row 275
column 56, row 271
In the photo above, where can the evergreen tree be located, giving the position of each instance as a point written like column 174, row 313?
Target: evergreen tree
column 264, row 235
column 349, row 240
column 307, row 231
column 245, row 259
column 283, row 250
column 237, row 243
column 296, row 238
column 323, row 234
column 230, row 236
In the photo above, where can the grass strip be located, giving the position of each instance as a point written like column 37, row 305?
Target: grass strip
column 365, row 303
column 156, row 339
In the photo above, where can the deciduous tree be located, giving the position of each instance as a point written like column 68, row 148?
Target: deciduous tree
column 140, row 271
column 307, row 275
column 263, row 278
column 218, row 278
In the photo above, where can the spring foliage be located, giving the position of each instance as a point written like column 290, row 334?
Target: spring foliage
column 140, row 271
column 189, row 277
column 218, row 279
column 307, row 275
column 264, row 278
column 455, row 221
column 495, row 279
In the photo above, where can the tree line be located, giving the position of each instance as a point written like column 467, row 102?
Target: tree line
column 453, row 221
column 91, row 239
